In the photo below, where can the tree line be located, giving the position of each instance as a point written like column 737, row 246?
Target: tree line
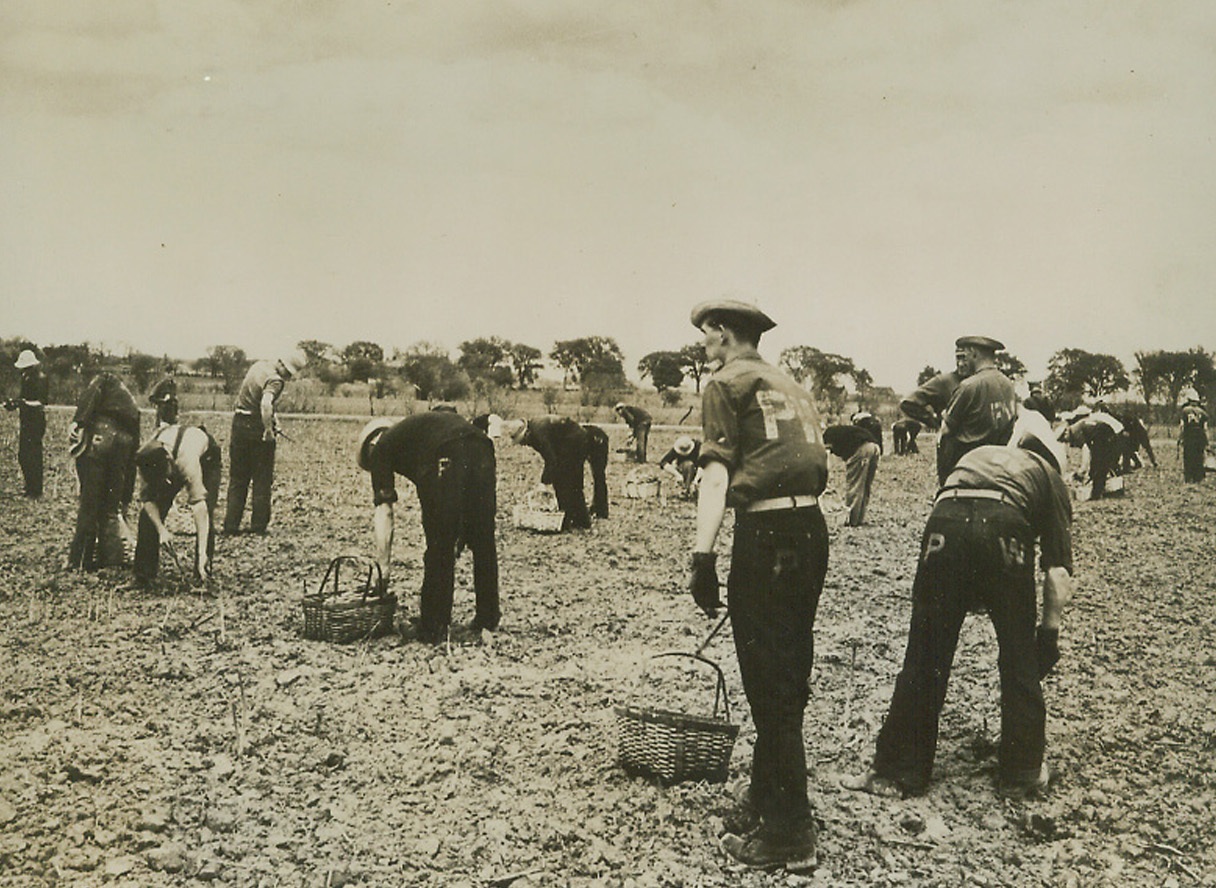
column 595, row 365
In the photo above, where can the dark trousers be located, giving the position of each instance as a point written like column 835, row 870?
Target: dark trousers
column 974, row 553
column 106, row 471
column 1194, row 442
column 778, row 563
column 641, row 434
column 29, row 447
column 1103, row 461
column 459, row 503
column 147, row 540
column 597, row 460
column 251, row 464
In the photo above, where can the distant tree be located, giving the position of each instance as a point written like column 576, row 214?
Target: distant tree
column 926, row 374
column 429, row 369
column 364, row 360
column 317, row 352
column 144, row 369
column 587, row 356
column 1074, row 374
column 664, row 369
column 486, row 358
column 1166, row 374
column 1010, row 365
column 525, row 361
column 823, row 371
column 693, row 362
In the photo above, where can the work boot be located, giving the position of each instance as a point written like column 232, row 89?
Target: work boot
column 741, row 819
column 771, row 848
column 1025, row 791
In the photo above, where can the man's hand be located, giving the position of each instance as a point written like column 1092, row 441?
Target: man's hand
column 166, row 536
column 1047, row 649
column 703, row 584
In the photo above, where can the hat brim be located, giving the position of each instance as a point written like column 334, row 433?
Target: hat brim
column 749, row 314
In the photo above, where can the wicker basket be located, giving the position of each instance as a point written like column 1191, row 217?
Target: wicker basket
column 640, row 484
column 675, row 746
column 539, row 512
column 361, row 611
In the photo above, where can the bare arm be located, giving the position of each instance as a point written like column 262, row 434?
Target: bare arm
column 383, row 528
column 1058, row 588
column 202, row 530
column 711, row 505
column 267, row 406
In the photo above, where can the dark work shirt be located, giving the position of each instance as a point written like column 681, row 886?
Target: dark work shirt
column 554, row 438
column 106, row 396
column 1031, row 485
column 634, row 416
column 929, row 401
column 34, row 387
column 765, row 428
column 412, row 447
column 843, row 440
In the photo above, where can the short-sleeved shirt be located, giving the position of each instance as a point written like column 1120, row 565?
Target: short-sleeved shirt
column 843, row 440
column 262, row 377
column 1031, row 485
column 931, row 398
column 1194, row 419
column 982, row 410
column 413, row 446
column 186, row 466
column 766, row 429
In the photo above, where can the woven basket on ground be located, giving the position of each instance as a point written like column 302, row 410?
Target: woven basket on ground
column 676, row 746
column 539, row 512
column 362, row 610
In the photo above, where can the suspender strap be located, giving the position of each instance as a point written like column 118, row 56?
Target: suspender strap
column 177, row 441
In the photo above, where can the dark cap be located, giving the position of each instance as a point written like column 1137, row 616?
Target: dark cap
column 743, row 310
column 985, row 342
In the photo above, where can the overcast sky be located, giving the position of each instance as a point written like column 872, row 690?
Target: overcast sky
column 881, row 176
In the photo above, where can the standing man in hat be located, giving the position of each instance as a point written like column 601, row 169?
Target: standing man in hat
column 31, row 402
column 855, row 445
column 452, row 465
column 763, row 456
column 1193, row 438
column 978, row 550
column 103, row 438
column 163, row 397
column 565, row 446
column 982, row 409
column 251, row 449
column 639, row 422
column 683, row 462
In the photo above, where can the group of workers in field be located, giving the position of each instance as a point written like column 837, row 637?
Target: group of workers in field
column 1002, row 507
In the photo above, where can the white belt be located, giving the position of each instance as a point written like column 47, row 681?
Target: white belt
column 972, row 493
column 803, row 501
column 243, row 411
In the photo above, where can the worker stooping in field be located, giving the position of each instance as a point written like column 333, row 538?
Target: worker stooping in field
column 565, row 446
column 904, row 432
column 639, row 421
column 871, row 423
column 251, row 450
column 855, row 445
column 31, row 406
column 1098, row 434
column 762, row 455
column 103, row 437
column 453, row 468
column 683, row 462
column 978, row 552
column 177, row 457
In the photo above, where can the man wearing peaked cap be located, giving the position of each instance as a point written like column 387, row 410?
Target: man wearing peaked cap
column 981, row 409
column 251, row 450
column 762, row 454
column 452, row 465
column 31, row 404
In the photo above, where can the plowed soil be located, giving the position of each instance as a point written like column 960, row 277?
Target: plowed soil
column 190, row 734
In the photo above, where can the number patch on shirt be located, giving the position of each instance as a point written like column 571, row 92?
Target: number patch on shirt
column 777, row 408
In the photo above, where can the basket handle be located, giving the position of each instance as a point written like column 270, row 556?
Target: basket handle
column 720, row 687
column 357, row 561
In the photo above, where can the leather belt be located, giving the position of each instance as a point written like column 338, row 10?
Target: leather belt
column 971, row 493
column 802, row 501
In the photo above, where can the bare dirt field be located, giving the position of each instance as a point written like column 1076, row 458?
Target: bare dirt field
column 140, row 746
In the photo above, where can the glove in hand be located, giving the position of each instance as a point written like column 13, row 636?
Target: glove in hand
column 1047, row 649
column 703, row 584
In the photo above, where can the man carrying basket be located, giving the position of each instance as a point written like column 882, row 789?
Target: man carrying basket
column 762, row 454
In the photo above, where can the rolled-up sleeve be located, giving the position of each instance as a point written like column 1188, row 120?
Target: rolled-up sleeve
column 720, row 423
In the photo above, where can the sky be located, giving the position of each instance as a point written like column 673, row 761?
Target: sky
column 879, row 176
